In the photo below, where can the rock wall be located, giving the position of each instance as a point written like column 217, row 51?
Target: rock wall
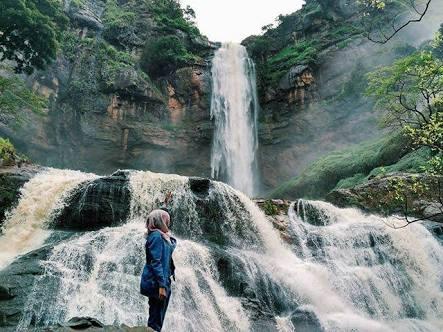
column 105, row 113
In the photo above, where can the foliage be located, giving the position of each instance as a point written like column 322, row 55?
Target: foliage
column 302, row 52
column 270, row 208
column 117, row 20
column 169, row 17
column 7, row 151
column 410, row 90
column 163, row 54
column 16, row 96
column 30, row 30
column 323, row 175
column 383, row 19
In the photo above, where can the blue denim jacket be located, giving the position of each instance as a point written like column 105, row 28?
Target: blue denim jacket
column 159, row 265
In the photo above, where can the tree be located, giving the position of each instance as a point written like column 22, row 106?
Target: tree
column 410, row 92
column 163, row 54
column 29, row 31
column 383, row 19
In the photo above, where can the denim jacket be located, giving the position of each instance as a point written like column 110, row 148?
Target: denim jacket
column 159, row 267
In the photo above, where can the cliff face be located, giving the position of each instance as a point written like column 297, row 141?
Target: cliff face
column 312, row 77
column 105, row 111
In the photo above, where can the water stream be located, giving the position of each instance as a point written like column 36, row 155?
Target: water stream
column 234, row 108
column 340, row 270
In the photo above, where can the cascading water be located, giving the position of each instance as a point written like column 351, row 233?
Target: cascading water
column 341, row 270
column 234, row 108
column 41, row 198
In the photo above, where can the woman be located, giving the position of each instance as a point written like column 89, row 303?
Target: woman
column 159, row 267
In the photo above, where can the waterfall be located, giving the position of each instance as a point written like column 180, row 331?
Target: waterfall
column 40, row 199
column 336, row 270
column 234, row 108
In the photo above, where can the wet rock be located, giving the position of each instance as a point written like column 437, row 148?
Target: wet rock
column 83, row 323
column 200, row 186
column 96, row 204
column 312, row 214
column 12, row 180
column 16, row 283
column 306, row 321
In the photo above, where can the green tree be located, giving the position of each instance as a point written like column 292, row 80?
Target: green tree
column 29, row 32
column 410, row 92
column 163, row 54
column 383, row 19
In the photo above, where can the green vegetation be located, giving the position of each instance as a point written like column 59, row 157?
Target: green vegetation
column 30, row 32
column 302, row 52
column 170, row 17
column 164, row 54
column 270, row 208
column 117, row 20
column 324, row 175
column 7, row 152
column 16, row 96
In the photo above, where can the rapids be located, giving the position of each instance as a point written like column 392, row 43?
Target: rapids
column 340, row 270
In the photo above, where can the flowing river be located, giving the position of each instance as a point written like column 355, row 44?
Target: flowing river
column 335, row 269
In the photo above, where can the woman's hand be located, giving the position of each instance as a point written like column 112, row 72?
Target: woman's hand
column 162, row 293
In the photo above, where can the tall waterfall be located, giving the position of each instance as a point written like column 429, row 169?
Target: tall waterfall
column 234, row 108
column 335, row 270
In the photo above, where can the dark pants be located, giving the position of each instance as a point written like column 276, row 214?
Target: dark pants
column 157, row 312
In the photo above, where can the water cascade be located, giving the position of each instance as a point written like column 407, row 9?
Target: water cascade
column 41, row 198
column 234, row 108
column 336, row 270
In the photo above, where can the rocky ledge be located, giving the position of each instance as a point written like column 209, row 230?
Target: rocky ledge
column 12, row 179
column 389, row 194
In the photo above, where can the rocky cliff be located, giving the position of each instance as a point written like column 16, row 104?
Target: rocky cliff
column 109, row 107
column 106, row 110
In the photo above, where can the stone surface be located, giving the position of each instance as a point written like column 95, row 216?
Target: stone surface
column 12, row 180
column 378, row 195
column 103, row 202
column 18, row 278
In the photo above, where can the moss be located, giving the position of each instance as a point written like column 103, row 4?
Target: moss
column 15, row 97
column 117, row 20
column 7, row 152
column 270, row 208
column 303, row 52
column 413, row 162
column 324, row 175
column 351, row 181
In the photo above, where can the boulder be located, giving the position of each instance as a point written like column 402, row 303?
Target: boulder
column 86, row 14
column 16, row 283
column 12, row 180
column 379, row 195
column 103, row 202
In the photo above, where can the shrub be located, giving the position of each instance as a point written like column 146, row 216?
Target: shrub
column 164, row 54
column 7, row 152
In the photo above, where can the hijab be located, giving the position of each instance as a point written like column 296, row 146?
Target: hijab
column 159, row 221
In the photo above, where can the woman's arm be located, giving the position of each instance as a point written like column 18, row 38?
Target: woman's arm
column 155, row 246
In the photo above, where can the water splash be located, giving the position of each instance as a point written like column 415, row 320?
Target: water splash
column 347, row 271
column 40, row 199
column 234, row 108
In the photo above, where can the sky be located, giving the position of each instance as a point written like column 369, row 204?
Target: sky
column 234, row 20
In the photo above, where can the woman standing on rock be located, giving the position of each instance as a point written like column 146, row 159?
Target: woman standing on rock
column 159, row 267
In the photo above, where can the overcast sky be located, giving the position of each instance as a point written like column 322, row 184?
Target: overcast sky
column 234, row 20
